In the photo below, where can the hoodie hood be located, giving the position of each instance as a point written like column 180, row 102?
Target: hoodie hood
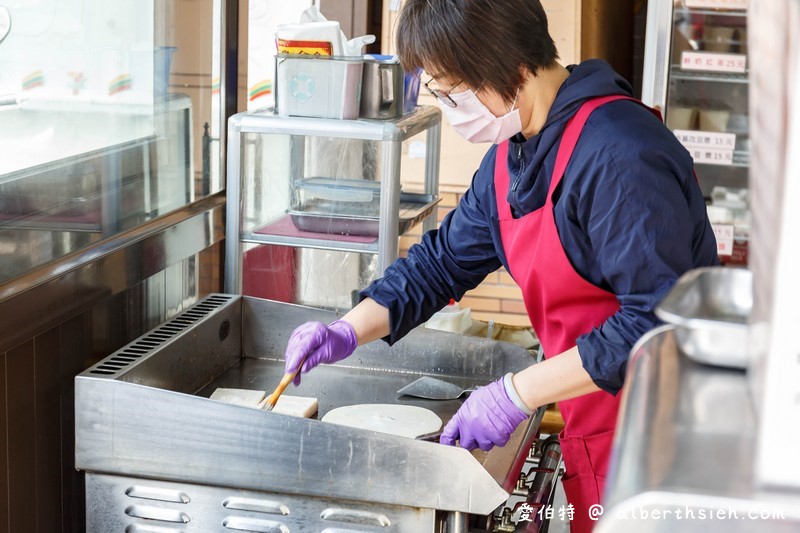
column 590, row 79
column 530, row 162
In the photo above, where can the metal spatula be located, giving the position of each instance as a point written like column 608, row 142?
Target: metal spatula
column 434, row 389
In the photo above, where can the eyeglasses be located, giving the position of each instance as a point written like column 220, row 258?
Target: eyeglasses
column 442, row 96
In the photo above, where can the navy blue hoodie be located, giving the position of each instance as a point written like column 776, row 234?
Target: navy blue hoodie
column 629, row 212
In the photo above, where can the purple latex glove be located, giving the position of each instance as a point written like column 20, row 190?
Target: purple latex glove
column 487, row 419
column 322, row 344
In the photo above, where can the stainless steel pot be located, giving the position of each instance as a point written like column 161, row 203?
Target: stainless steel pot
column 381, row 89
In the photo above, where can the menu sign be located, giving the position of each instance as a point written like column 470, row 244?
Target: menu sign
column 717, row 4
column 708, row 147
column 706, row 139
column 724, row 235
column 714, row 62
column 710, row 156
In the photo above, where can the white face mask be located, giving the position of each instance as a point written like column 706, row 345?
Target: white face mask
column 472, row 119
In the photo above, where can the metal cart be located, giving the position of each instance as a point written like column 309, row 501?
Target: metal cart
column 273, row 163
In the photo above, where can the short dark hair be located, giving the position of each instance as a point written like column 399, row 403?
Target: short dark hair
column 476, row 42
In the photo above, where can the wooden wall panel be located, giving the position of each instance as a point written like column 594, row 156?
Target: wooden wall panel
column 4, row 515
column 607, row 33
column 21, row 413
column 76, row 346
column 340, row 11
column 47, row 394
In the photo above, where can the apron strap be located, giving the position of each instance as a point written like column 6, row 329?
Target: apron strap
column 572, row 132
column 569, row 139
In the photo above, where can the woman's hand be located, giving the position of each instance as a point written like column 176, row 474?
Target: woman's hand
column 314, row 343
column 317, row 343
column 487, row 419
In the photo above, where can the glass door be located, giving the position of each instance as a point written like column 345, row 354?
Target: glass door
column 706, row 106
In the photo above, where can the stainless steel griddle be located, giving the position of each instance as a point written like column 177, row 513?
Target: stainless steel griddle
column 159, row 454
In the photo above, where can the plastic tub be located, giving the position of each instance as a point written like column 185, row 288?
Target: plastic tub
column 318, row 86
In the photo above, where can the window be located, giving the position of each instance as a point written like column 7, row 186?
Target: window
column 110, row 116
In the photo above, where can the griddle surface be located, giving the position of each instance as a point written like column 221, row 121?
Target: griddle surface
column 336, row 385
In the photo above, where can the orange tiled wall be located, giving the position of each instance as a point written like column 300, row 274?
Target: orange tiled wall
column 498, row 298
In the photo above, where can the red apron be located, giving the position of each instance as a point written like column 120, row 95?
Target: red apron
column 562, row 306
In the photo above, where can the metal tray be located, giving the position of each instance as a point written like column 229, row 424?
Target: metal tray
column 710, row 307
column 349, row 219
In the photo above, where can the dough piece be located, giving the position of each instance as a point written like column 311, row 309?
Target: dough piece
column 401, row 420
column 244, row 397
column 301, row 406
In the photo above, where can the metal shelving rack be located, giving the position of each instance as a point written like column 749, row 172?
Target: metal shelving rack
column 711, row 31
column 387, row 134
column 677, row 74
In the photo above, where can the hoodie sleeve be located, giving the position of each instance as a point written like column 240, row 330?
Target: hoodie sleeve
column 642, row 223
column 445, row 264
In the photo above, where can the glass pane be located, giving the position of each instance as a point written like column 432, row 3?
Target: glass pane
column 326, row 279
column 109, row 117
column 293, row 173
column 707, row 108
column 707, row 96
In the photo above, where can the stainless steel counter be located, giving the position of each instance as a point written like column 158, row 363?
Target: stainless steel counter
column 685, row 450
column 143, row 413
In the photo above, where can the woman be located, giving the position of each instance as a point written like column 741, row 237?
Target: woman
column 585, row 198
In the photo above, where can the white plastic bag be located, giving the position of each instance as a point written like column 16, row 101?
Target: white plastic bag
column 314, row 26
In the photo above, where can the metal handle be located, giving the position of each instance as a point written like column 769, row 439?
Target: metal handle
column 430, row 437
column 387, row 83
column 543, row 484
